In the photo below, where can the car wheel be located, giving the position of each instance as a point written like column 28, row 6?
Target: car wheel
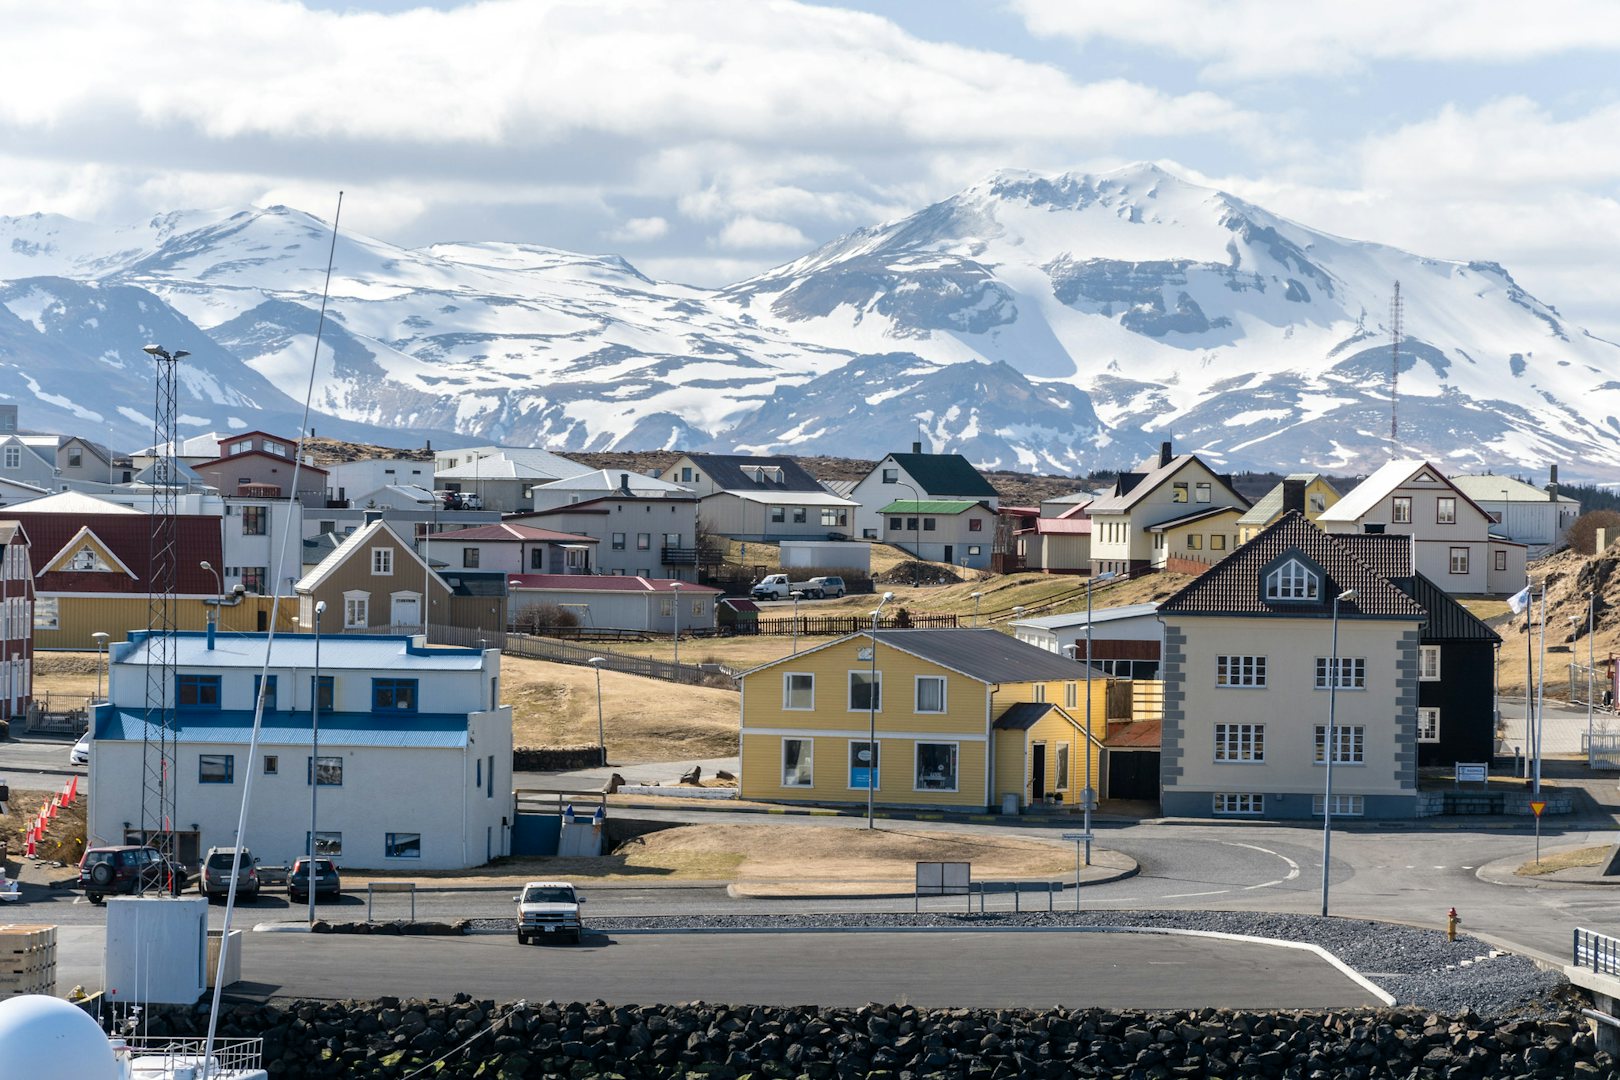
column 94, row 898
column 523, row 939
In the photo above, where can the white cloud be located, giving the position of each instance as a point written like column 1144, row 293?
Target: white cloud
column 1248, row 38
column 751, row 233
column 639, row 230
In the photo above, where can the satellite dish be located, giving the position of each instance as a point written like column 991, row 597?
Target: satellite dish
column 46, row 1038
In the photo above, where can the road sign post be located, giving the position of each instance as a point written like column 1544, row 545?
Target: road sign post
column 1078, row 838
column 1536, row 808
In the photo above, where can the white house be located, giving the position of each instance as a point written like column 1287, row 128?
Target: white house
column 767, row 498
column 414, row 761
column 347, row 480
column 639, row 536
column 511, row 548
column 1126, row 642
column 953, row 531
column 919, row 477
column 1535, row 517
column 600, row 484
column 658, row 605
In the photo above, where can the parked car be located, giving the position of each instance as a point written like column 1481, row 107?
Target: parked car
column 106, row 871
column 215, row 880
column 781, row 587
column 828, row 586
column 546, row 908
column 80, row 754
column 327, row 881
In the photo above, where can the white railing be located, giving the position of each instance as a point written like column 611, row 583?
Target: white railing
column 1595, row 952
column 172, row 1055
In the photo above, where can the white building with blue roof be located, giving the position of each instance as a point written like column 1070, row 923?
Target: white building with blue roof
column 415, row 754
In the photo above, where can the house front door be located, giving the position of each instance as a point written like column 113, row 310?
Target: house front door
column 406, row 611
column 950, row 553
column 1037, row 773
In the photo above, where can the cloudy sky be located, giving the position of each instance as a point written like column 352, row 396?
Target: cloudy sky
column 706, row 139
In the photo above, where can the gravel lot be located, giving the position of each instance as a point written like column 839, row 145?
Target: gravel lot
column 1418, row 967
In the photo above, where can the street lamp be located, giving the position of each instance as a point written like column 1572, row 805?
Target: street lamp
column 797, row 595
column 976, row 596
column 917, row 502
column 100, row 637
column 601, row 738
column 1328, row 748
column 219, row 591
column 314, row 755
column 675, row 587
column 871, row 709
column 1088, row 797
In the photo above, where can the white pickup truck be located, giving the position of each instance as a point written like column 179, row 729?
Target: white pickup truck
column 547, row 908
column 779, row 587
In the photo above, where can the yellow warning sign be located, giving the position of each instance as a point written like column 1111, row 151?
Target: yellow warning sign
column 1537, row 807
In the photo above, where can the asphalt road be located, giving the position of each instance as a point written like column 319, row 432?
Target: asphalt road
column 986, row 969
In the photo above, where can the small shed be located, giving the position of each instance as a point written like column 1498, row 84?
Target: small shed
column 735, row 615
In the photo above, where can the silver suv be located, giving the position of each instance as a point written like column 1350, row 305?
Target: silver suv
column 830, row 586
column 215, row 880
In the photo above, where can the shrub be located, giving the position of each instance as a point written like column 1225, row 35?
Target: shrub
column 1583, row 533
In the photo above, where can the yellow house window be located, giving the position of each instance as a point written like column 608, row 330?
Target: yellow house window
column 1040, row 691
column 936, row 766
column 1071, row 695
column 930, row 694
column 798, row 762
column 865, row 692
column 865, row 759
column 798, row 691
column 1061, row 781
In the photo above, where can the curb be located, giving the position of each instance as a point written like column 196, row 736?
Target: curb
column 1119, row 875
column 1019, row 821
column 1500, row 872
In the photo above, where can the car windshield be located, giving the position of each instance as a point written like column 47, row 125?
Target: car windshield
column 322, row 866
column 548, row 894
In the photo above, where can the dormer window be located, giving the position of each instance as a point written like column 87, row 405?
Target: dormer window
column 1293, row 580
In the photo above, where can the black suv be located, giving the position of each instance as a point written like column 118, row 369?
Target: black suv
column 126, row 869
column 327, row 880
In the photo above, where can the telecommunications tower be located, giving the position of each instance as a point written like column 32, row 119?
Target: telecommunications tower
column 1395, row 309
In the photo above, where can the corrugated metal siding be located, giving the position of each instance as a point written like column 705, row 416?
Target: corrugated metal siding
column 429, row 731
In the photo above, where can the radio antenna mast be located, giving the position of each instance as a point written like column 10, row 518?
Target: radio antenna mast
column 1395, row 309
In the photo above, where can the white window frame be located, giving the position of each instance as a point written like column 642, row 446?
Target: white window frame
column 1356, row 666
column 849, row 691
column 1343, row 805
column 1071, row 695
column 1428, row 663
column 1293, row 580
column 1457, row 560
column 1238, row 804
column 916, row 764
column 1240, row 744
column 877, row 764
column 1428, row 724
column 807, row 757
column 1060, row 767
column 1499, row 559
column 13, row 457
column 1240, row 672
column 1440, row 516
column 1040, row 693
column 1201, row 491
column 354, row 601
column 1400, row 510
column 1350, row 740
column 916, row 695
column 382, row 562
column 47, row 613
column 787, row 695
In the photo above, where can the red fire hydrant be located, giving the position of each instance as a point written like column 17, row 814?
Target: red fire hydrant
column 1452, row 919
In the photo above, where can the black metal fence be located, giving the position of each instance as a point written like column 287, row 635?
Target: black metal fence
column 836, row 625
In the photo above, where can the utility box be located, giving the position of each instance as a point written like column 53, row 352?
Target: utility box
column 157, row 950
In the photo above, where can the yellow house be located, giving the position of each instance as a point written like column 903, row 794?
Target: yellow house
column 1319, row 495
column 964, row 720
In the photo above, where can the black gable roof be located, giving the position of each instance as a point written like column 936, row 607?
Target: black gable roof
column 726, row 470
column 945, row 474
column 1233, row 586
column 1448, row 620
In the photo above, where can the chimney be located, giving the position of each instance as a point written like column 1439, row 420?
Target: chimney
column 1293, row 495
column 1552, row 483
column 1164, row 454
column 624, row 482
column 211, row 633
column 916, row 448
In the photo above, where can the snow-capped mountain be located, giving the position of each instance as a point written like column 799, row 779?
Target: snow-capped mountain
column 1055, row 323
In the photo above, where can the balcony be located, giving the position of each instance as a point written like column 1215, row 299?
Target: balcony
column 678, row 556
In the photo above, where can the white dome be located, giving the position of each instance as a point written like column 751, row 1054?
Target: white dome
column 46, row 1038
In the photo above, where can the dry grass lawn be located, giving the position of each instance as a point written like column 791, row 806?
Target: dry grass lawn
column 1566, row 860
column 645, row 719
column 66, row 675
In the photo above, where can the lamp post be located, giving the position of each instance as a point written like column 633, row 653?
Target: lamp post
column 871, row 709
column 797, row 595
column 601, row 737
column 675, row 588
column 976, row 597
column 1591, row 669
column 314, row 756
column 100, row 637
column 219, row 591
column 1328, row 748
column 1088, row 797
column 917, row 503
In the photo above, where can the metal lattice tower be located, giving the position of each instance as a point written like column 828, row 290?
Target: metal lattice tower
column 158, row 739
column 1395, row 310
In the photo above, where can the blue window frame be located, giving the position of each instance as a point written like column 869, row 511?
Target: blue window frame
column 269, row 693
column 196, row 691
column 393, row 695
column 323, row 693
column 216, row 768
column 402, row 845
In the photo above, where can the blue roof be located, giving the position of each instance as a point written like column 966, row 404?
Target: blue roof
column 434, row 731
column 338, row 651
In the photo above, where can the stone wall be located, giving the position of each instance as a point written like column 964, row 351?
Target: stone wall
column 390, row 1038
column 555, row 758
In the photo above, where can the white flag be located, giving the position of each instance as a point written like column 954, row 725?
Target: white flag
column 1520, row 600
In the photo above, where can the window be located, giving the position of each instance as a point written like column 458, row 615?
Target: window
column 643, row 541
column 799, row 515
column 1071, row 695
column 382, row 561
column 1459, row 560
column 393, row 695
column 1292, row 581
column 1318, row 503
column 1217, row 542
column 1401, row 509
column 1240, row 742
column 864, row 761
column 1178, row 492
column 216, row 768
column 1201, row 491
column 1240, row 671
column 1040, row 692
column 272, row 764
column 798, row 763
column 1428, row 725
column 830, row 519
column 402, row 845
column 896, row 524
column 1499, row 559
column 1428, row 662
column 269, row 692
column 911, row 524
column 1348, row 745
column 974, row 549
column 1445, row 510
column 928, row 524
column 275, row 448
column 666, row 607
column 778, row 514
column 75, row 458
column 618, row 541
column 254, row 520
column 865, row 695
column 1195, row 542
column 328, row 770
column 46, row 615
column 975, row 524
column 930, row 694
column 537, row 559
column 356, row 610
column 1060, row 781
column 798, row 691
column 936, row 766
column 469, row 558
column 891, row 476
column 1343, row 805
column 1352, row 672
column 13, row 457
column 686, row 474
column 329, row 844
column 1239, row 803
column 196, row 691
column 254, row 578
